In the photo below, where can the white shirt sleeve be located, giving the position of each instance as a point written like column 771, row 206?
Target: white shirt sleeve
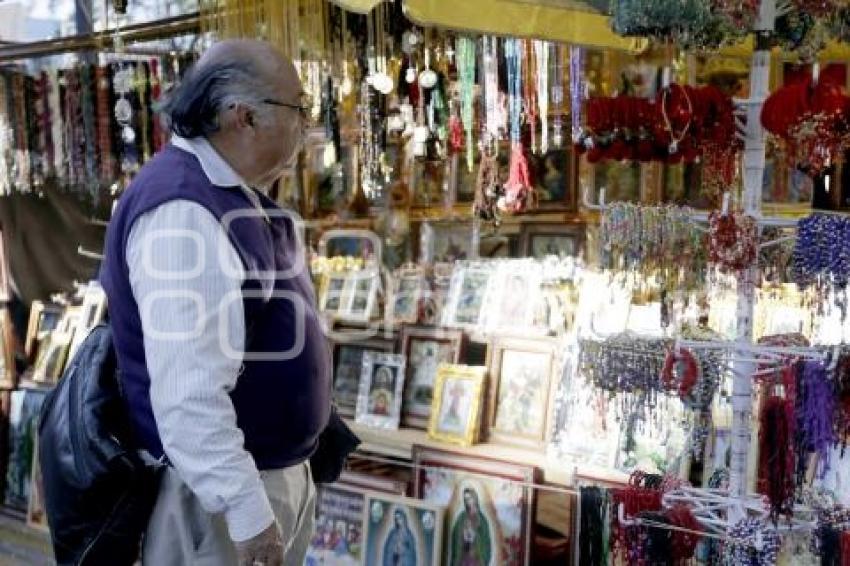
column 186, row 278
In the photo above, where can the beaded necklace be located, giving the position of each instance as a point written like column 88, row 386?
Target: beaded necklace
column 576, row 90
column 541, row 53
column 466, row 74
column 492, row 109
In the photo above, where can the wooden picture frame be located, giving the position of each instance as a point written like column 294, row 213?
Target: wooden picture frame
column 622, row 181
column 402, row 530
column 444, row 477
column 523, row 377
column 370, row 482
column 555, row 177
column 539, row 239
column 464, row 306
column 52, row 357
column 380, row 393
column 44, row 317
column 8, row 373
column 458, row 397
column 430, row 181
column 348, row 365
column 447, row 242
column 5, row 287
column 337, row 538
column 425, row 348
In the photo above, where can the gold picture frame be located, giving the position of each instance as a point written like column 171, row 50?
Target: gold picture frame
column 457, row 405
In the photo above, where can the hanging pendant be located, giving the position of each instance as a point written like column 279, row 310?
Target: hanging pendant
column 128, row 135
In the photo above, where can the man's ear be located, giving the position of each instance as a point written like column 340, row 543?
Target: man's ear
column 243, row 115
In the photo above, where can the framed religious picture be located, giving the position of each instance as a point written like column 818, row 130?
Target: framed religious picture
column 489, row 505
column 36, row 515
column 338, row 533
column 539, row 240
column 362, row 293
column 465, row 178
column 52, row 356
column 456, row 412
column 334, row 293
column 514, row 296
column 348, row 364
column 523, row 374
column 554, row 175
column 447, row 242
column 91, row 314
column 381, row 386
column 467, row 291
column 425, row 348
column 620, row 179
column 401, row 530
column 44, row 317
column 407, row 287
column 8, row 375
column 584, row 426
column 429, row 182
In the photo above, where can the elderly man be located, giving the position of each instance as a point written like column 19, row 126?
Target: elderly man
column 223, row 360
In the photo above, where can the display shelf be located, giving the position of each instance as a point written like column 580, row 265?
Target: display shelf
column 399, row 444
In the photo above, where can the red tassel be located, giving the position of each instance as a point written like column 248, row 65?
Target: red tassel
column 518, row 186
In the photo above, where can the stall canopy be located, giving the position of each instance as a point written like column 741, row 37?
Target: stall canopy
column 568, row 21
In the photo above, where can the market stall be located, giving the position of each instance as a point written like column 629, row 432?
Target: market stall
column 584, row 268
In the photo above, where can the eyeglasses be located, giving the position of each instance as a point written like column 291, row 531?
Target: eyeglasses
column 302, row 108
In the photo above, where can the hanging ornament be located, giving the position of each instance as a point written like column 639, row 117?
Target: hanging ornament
column 428, row 77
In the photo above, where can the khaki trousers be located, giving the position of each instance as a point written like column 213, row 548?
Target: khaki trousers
column 181, row 533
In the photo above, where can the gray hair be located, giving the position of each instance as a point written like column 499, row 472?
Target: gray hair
column 192, row 108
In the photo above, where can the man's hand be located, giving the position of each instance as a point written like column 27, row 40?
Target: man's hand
column 265, row 549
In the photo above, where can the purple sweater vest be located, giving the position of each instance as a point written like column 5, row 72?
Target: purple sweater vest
column 283, row 404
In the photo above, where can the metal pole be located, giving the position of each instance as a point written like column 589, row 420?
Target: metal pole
column 753, row 163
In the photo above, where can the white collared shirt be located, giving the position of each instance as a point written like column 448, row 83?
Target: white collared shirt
column 176, row 268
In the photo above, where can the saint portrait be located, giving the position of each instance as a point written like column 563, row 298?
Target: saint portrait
column 488, row 509
column 471, row 297
column 423, row 359
column 523, row 385
column 471, row 541
column 455, row 406
column 338, row 534
column 382, row 390
column 402, row 532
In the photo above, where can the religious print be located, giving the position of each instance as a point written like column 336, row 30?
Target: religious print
column 456, row 411
column 524, row 372
column 467, row 293
column 381, row 385
column 348, row 364
column 403, row 532
column 489, row 506
column 425, row 349
column 338, row 536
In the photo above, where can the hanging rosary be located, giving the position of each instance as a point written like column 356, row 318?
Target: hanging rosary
column 541, row 53
column 466, row 73
column 518, row 186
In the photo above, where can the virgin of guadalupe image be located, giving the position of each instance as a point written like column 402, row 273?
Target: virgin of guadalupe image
column 400, row 547
column 470, row 536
